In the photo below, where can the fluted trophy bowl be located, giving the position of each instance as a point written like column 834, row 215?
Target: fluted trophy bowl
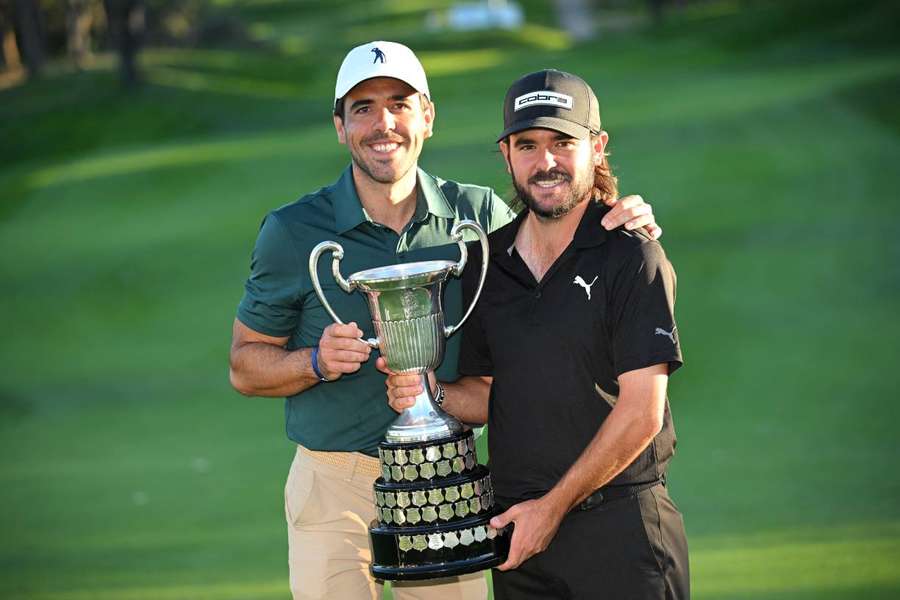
column 405, row 303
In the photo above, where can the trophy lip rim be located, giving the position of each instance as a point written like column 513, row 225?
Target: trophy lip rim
column 454, row 437
column 435, row 267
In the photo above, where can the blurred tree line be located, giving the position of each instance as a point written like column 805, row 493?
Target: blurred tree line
column 33, row 30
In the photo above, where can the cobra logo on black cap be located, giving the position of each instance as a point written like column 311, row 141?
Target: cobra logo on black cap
column 545, row 97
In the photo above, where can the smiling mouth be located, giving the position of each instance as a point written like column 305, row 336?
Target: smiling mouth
column 549, row 182
column 384, row 146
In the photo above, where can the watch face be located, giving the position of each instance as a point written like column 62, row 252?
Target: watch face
column 439, row 395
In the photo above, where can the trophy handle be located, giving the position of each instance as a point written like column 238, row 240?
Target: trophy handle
column 457, row 269
column 337, row 254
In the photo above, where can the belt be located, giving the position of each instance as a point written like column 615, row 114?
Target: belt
column 352, row 462
column 614, row 492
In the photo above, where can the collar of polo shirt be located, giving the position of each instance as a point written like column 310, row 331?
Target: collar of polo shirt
column 349, row 212
column 590, row 231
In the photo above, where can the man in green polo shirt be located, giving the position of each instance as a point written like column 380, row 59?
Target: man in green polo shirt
column 382, row 210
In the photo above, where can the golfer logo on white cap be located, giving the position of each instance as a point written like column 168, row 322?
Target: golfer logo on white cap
column 379, row 55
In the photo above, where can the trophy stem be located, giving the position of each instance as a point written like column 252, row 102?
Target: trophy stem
column 424, row 420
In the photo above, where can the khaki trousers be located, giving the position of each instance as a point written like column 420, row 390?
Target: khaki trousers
column 328, row 503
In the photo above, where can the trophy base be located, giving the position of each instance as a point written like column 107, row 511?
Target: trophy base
column 416, row 553
column 433, row 506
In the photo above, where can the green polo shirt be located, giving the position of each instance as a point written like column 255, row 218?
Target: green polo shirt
column 352, row 414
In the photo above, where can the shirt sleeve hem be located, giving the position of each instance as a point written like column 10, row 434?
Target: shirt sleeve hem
column 632, row 364
column 475, row 371
column 259, row 326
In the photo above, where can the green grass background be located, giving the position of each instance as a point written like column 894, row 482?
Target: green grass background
column 766, row 135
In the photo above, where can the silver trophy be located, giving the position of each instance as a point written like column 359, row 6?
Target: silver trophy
column 405, row 302
column 433, row 502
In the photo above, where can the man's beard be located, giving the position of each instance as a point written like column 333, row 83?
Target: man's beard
column 378, row 172
column 581, row 187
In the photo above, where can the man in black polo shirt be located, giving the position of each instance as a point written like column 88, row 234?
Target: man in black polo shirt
column 567, row 357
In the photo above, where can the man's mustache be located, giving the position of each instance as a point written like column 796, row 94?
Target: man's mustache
column 383, row 139
column 551, row 175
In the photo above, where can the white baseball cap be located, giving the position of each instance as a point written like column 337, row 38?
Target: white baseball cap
column 380, row 59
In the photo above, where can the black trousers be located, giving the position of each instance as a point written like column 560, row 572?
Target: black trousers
column 629, row 548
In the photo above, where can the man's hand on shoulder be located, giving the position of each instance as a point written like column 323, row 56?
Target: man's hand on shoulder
column 632, row 212
column 536, row 522
column 341, row 350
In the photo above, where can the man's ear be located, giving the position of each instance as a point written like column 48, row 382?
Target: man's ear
column 504, row 149
column 599, row 142
column 339, row 128
column 429, row 119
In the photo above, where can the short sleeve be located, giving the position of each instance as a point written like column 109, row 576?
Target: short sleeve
column 643, row 311
column 474, row 354
column 271, row 295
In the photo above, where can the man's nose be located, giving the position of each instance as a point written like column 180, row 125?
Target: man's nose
column 546, row 160
column 385, row 120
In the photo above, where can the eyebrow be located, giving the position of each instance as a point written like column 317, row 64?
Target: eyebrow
column 368, row 101
column 359, row 103
column 524, row 140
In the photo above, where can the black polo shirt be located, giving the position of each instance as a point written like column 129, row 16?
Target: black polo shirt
column 556, row 347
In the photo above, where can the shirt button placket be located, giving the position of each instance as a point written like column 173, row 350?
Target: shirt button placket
column 535, row 305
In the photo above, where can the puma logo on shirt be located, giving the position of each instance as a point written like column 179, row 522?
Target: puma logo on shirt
column 587, row 287
column 668, row 334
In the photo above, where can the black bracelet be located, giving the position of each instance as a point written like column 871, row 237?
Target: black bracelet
column 314, row 362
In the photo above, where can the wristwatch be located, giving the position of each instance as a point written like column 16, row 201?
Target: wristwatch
column 439, row 397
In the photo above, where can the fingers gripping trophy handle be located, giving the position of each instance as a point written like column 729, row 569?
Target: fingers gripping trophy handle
column 456, row 234
column 337, row 254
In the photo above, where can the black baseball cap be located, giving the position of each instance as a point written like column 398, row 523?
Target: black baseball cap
column 551, row 99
